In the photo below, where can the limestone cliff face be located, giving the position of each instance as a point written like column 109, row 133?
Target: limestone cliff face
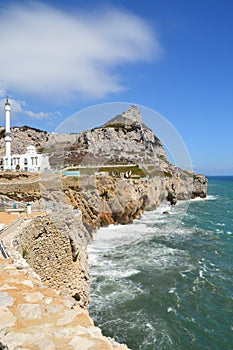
column 117, row 196
column 60, row 262
column 54, row 244
column 124, row 139
column 101, row 196
column 117, row 200
column 22, row 137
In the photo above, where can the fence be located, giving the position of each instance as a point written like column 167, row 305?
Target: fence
column 9, row 228
column 3, row 250
column 8, row 204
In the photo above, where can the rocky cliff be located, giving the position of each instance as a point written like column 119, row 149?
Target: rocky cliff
column 124, row 171
column 129, row 173
column 22, row 137
column 124, row 139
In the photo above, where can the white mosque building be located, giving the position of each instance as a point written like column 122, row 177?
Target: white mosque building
column 30, row 161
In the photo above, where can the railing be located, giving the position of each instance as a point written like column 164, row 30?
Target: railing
column 3, row 250
column 9, row 228
column 9, row 204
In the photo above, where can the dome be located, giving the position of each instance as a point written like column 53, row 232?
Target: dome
column 31, row 149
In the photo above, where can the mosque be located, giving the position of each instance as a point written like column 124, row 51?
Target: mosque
column 30, row 161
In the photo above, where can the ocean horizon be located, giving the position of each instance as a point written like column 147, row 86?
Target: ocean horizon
column 165, row 281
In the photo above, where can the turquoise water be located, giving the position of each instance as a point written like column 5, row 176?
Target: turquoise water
column 166, row 281
column 71, row 173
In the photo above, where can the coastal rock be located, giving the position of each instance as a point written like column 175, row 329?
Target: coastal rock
column 200, row 186
column 44, row 320
column 54, row 242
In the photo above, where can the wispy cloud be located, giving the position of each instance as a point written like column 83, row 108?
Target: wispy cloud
column 60, row 54
column 19, row 108
column 42, row 115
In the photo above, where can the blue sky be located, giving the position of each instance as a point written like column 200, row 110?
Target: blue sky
column 175, row 57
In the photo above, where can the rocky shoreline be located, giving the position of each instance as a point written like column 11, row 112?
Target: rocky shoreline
column 54, row 243
column 71, row 209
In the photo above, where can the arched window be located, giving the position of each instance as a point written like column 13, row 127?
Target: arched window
column 25, row 161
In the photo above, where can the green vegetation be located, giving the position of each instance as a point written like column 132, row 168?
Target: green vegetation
column 133, row 169
column 167, row 174
column 189, row 173
column 163, row 158
column 88, row 187
column 152, row 172
column 25, row 253
column 123, row 126
column 46, row 149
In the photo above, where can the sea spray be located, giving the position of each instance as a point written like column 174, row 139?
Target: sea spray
column 155, row 287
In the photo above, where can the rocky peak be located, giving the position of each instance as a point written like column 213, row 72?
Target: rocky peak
column 123, row 140
column 128, row 118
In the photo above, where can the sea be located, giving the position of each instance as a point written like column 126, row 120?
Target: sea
column 166, row 281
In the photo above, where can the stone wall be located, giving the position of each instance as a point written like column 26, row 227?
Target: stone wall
column 49, row 252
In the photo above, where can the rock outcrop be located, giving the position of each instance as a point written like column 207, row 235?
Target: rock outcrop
column 124, row 139
column 117, row 200
column 129, row 173
column 22, row 137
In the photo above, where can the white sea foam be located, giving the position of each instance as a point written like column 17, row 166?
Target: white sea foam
column 117, row 235
column 209, row 197
column 116, row 273
column 159, row 263
column 219, row 231
column 149, row 326
column 183, row 273
column 171, row 309
column 120, row 235
column 201, row 273
column 164, row 208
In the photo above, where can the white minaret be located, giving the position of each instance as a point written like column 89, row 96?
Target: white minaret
column 8, row 130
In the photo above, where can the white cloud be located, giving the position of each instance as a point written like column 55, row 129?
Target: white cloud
column 2, row 90
column 16, row 106
column 42, row 115
column 49, row 52
column 20, row 108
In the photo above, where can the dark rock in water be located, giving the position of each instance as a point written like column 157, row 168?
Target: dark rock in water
column 172, row 198
column 200, row 185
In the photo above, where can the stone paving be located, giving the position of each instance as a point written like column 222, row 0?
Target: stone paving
column 33, row 316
